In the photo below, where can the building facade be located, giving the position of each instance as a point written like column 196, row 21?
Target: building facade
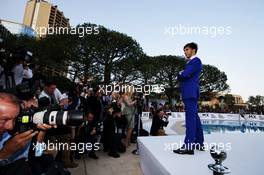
column 43, row 17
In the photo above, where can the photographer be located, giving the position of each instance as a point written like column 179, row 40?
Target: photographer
column 95, row 104
column 87, row 134
column 138, row 127
column 14, row 148
column 114, row 126
column 160, row 120
column 51, row 97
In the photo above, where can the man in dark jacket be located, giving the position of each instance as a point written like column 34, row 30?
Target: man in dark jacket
column 114, row 126
column 159, row 121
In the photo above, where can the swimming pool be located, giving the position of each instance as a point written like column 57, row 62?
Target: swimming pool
column 225, row 126
column 214, row 123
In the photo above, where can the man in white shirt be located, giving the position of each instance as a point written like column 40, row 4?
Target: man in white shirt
column 52, row 93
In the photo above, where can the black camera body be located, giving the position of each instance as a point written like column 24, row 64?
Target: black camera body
column 165, row 120
column 24, row 122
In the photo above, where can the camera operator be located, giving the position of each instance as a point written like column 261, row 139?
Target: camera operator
column 159, row 121
column 138, row 127
column 14, row 148
column 62, row 134
column 114, row 127
column 95, row 104
column 88, row 133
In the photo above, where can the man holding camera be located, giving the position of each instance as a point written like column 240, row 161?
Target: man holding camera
column 114, row 126
column 159, row 121
column 88, row 134
column 14, row 148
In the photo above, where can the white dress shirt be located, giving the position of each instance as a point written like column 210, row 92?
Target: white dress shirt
column 18, row 71
column 57, row 96
column 189, row 59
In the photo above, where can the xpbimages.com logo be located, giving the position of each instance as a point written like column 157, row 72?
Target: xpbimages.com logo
column 145, row 89
column 80, row 31
column 81, row 147
column 210, row 31
column 207, row 146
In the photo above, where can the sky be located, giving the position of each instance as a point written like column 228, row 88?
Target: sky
column 163, row 27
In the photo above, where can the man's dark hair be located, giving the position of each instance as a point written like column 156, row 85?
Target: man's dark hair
column 24, row 92
column 10, row 98
column 50, row 82
column 158, row 111
column 192, row 45
column 88, row 111
column 44, row 102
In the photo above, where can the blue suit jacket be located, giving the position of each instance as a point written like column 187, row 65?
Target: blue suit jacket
column 189, row 79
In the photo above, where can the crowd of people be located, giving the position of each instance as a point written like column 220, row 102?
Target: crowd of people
column 108, row 124
column 258, row 110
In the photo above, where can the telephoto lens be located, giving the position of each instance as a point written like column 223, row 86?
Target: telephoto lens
column 69, row 118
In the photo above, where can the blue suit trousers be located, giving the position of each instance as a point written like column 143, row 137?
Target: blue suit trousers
column 194, row 130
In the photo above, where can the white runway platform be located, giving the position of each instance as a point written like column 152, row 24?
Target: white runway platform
column 245, row 157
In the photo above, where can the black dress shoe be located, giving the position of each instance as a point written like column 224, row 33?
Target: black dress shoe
column 184, row 151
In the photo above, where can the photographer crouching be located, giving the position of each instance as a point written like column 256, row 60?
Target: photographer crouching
column 114, row 127
column 15, row 139
column 159, row 121
column 88, row 134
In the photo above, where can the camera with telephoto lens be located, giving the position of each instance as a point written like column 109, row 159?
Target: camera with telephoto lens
column 51, row 115
column 28, row 120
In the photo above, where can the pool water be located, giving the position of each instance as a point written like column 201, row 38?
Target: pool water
column 225, row 126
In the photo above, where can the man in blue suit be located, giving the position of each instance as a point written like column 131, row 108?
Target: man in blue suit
column 190, row 91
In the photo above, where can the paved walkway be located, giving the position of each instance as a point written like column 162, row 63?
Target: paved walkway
column 127, row 164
